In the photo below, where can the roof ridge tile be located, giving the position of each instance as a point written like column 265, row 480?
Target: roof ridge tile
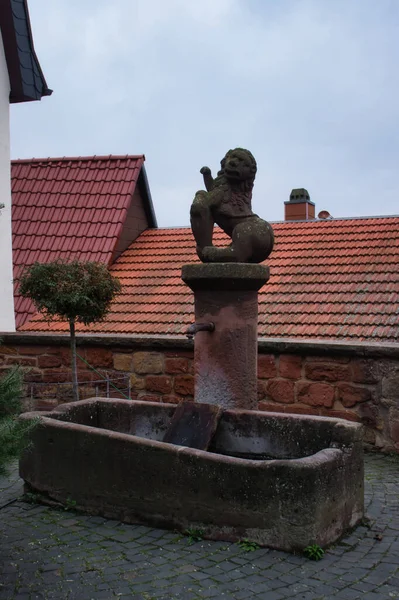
column 62, row 159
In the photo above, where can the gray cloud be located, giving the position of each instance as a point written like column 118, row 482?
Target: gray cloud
column 309, row 86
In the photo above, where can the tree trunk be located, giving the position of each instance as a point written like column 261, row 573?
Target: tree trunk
column 73, row 361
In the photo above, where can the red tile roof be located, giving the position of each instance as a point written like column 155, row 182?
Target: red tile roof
column 68, row 208
column 330, row 279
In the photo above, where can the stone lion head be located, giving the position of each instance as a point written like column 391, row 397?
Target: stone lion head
column 239, row 165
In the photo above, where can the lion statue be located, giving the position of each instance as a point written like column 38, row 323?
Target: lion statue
column 227, row 202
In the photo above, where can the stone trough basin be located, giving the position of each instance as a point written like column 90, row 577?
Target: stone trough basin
column 284, row 481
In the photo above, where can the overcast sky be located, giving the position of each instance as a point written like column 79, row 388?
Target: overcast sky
column 311, row 87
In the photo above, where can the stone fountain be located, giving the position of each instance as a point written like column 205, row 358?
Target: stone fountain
column 216, row 464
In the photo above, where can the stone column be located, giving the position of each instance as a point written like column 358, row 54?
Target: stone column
column 225, row 359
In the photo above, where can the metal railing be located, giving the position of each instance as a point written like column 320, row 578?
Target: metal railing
column 62, row 391
column 107, row 385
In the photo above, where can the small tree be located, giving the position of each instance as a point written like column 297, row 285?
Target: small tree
column 13, row 433
column 77, row 292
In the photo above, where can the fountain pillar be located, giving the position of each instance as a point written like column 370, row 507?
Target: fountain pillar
column 225, row 360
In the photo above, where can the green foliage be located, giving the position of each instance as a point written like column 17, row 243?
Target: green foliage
column 31, row 498
column 69, row 504
column 248, row 546
column 13, row 432
column 314, row 552
column 10, row 392
column 194, row 535
column 73, row 291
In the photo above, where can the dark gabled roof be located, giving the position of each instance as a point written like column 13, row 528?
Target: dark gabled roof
column 27, row 81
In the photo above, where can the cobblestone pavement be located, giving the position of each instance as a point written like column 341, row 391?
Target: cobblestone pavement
column 47, row 553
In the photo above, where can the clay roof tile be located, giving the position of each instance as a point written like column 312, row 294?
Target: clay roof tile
column 64, row 205
column 327, row 282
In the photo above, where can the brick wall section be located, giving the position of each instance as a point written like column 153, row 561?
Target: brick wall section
column 328, row 384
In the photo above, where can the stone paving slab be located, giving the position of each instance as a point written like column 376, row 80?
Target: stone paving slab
column 54, row 554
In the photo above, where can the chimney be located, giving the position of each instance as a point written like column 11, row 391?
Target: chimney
column 299, row 207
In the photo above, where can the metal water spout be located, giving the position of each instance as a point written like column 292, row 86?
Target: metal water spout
column 196, row 327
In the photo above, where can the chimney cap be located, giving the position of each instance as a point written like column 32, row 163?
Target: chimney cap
column 299, row 194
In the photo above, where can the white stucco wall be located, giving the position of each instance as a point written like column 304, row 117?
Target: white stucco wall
column 7, row 318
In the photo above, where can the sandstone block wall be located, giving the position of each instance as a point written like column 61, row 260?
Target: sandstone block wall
column 349, row 383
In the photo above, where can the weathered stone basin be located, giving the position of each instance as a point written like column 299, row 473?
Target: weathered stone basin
column 300, row 481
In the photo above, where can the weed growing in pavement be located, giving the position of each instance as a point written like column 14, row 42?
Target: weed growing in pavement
column 314, row 552
column 248, row 546
column 194, row 535
column 69, row 504
column 31, row 498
